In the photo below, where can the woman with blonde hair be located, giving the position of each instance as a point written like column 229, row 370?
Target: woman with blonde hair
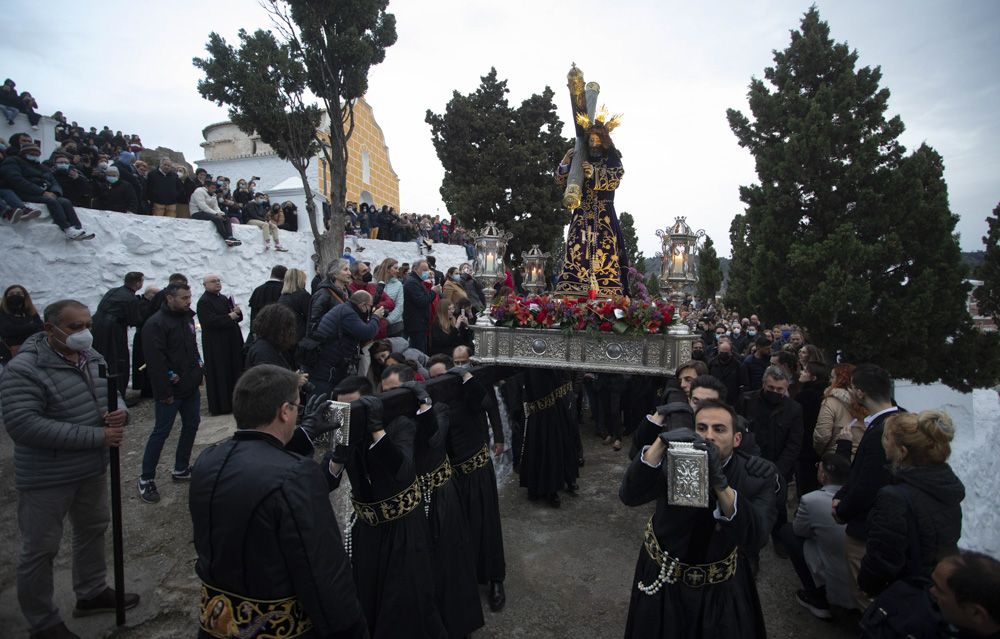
column 918, row 518
column 840, row 414
column 388, row 272
column 295, row 296
column 453, row 291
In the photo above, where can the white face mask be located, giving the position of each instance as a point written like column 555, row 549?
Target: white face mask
column 80, row 341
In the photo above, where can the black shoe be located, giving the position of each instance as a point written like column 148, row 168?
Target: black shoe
column 581, row 462
column 554, row 500
column 181, row 475
column 814, row 603
column 132, row 401
column 497, row 596
column 148, row 492
column 572, row 488
column 104, row 602
column 55, row 632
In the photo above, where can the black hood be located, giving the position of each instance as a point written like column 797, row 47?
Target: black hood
column 937, row 480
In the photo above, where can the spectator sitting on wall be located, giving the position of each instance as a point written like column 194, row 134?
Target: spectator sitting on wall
column 75, row 186
column 12, row 208
column 116, row 195
column 164, row 189
column 257, row 213
column 10, row 103
column 291, row 213
column 33, row 182
column 204, row 206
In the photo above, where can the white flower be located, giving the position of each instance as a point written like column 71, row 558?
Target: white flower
column 534, row 308
column 619, row 313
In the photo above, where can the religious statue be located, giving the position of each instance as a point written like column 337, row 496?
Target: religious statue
column 596, row 263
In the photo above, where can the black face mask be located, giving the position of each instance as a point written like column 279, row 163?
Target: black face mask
column 367, row 277
column 15, row 303
column 771, row 397
column 698, row 355
column 725, row 357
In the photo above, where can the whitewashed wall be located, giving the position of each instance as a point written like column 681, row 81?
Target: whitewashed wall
column 974, row 454
column 45, row 133
column 37, row 255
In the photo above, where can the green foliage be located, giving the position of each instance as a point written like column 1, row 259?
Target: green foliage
column 988, row 294
column 498, row 163
column 653, row 285
column 709, row 271
column 635, row 256
column 844, row 233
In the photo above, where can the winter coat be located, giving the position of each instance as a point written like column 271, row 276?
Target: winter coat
column 834, row 414
column 729, row 374
column 474, row 290
column 169, row 344
column 77, row 190
column 28, row 179
column 777, row 429
column 254, row 211
column 202, row 201
column 298, row 302
column 164, row 188
column 394, row 289
column 119, row 197
column 326, row 296
column 929, row 497
column 417, row 300
column 343, row 331
column 453, row 292
column 54, row 413
column 262, row 351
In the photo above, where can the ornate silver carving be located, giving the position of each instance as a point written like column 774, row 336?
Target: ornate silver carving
column 340, row 414
column 687, row 475
column 652, row 354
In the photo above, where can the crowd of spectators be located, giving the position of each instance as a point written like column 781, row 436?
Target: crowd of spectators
column 372, row 222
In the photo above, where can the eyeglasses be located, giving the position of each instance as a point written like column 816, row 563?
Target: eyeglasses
column 294, row 405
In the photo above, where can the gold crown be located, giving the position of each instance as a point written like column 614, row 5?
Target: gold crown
column 609, row 123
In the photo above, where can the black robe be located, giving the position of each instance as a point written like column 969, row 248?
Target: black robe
column 392, row 560
column 140, row 381
column 266, row 293
column 477, row 490
column 550, row 457
column 118, row 309
column 222, row 348
column 729, row 609
column 451, row 550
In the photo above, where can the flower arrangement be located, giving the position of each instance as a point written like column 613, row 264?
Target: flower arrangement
column 621, row 315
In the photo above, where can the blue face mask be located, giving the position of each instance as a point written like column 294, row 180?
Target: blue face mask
column 426, row 275
column 457, row 278
column 62, row 166
column 112, row 179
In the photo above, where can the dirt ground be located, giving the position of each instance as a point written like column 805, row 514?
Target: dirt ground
column 569, row 570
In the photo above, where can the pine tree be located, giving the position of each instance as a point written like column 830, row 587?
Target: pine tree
column 845, row 233
column 635, row 256
column 739, row 267
column 709, row 271
column 498, row 162
column 988, row 294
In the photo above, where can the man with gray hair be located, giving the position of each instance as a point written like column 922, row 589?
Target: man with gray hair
column 331, row 291
column 163, row 188
column 55, row 408
column 775, row 419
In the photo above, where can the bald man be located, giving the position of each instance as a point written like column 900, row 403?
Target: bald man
column 221, row 344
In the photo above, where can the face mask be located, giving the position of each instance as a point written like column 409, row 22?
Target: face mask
column 260, row 200
column 426, row 275
column 79, row 341
column 736, row 331
column 771, row 398
column 62, row 166
column 112, row 179
column 15, row 302
column 102, row 165
column 457, row 278
column 698, row 355
column 3, row 147
column 37, row 159
column 725, row 357
column 367, row 277
column 752, row 333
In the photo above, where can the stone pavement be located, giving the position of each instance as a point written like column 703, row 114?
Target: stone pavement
column 569, row 570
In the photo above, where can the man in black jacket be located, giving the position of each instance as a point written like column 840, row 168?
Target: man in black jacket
column 34, row 182
column 268, row 292
column 116, row 195
column 725, row 367
column 163, row 188
column 331, row 291
column 872, row 387
column 417, row 300
column 120, row 308
column 270, row 556
column 174, row 368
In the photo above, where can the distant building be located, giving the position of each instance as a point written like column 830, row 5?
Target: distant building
column 370, row 176
column 984, row 323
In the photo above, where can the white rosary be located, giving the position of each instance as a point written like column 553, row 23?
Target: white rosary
column 666, row 576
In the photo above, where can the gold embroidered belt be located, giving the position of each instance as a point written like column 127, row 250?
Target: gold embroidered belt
column 691, row 575
column 475, row 462
column 549, row 400
column 381, row 512
column 438, row 477
column 225, row 615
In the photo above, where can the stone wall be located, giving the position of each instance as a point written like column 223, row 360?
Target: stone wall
column 37, row 255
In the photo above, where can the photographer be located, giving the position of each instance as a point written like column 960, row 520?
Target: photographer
column 342, row 331
column 450, row 329
column 289, row 569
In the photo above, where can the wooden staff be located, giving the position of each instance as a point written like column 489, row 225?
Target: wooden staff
column 116, row 503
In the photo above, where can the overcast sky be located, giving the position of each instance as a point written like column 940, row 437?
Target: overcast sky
column 673, row 68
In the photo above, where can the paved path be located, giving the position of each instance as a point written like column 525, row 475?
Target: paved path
column 569, row 570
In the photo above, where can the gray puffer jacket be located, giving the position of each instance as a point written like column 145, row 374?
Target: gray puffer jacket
column 52, row 410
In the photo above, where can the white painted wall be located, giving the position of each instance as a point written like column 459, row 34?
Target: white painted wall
column 37, row 255
column 974, row 455
column 45, row 134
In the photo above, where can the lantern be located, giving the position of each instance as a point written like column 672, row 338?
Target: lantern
column 491, row 246
column 678, row 270
column 534, row 269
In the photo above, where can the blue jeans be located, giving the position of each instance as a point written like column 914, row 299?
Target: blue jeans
column 11, row 199
column 190, row 410
column 10, row 112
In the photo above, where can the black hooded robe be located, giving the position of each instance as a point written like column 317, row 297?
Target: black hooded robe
column 550, row 456
column 222, row 348
column 118, row 309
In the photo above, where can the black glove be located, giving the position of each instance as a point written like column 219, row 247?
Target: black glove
column 339, row 454
column 677, row 435
column 315, row 419
column 373, row 411
column 716, row 475
column 418, row 391
column 676, row 415
column 672, row 395
column 460, row 370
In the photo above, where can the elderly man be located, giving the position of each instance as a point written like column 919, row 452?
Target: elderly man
column 205, row 206
column 32, row 181
column 55, row 410
column 221, row 344
column 418, row 295
column 163, row 188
